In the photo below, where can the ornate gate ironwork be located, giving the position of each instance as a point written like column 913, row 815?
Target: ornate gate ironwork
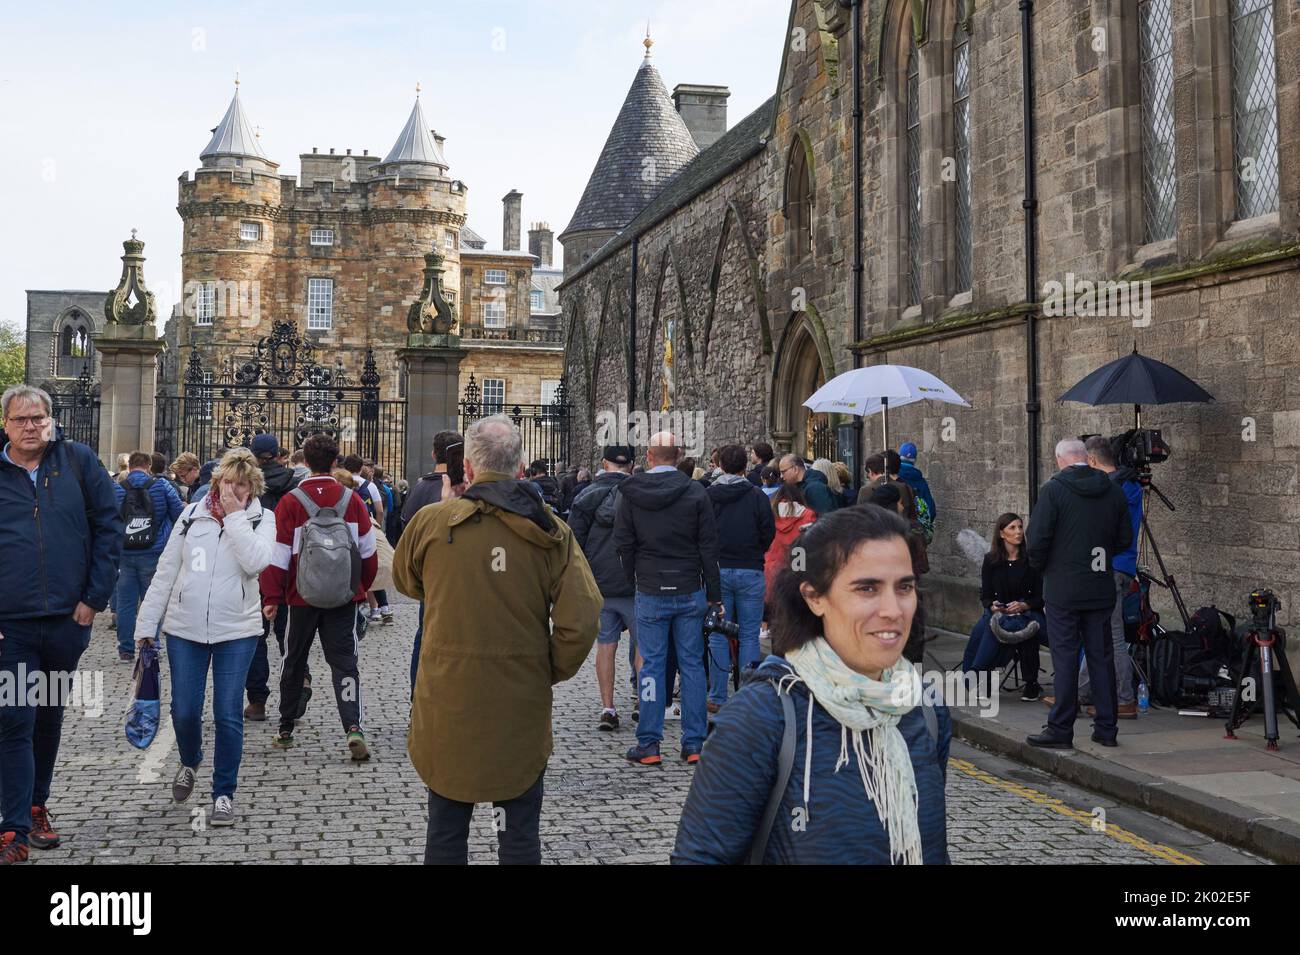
column 77, row 409
column 282, row 390
column 544, row 427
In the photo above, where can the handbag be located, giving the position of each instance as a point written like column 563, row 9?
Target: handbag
column 384, row 552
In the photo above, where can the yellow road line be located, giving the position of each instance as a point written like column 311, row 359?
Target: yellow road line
column 1085, row 819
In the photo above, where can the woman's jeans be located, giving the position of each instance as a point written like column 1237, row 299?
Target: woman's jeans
column 985, row 652
column 742, row 595
column 189, row 661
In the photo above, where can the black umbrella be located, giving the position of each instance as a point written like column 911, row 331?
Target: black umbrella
column 1136, row 380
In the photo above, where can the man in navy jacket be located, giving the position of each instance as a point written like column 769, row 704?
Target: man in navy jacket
column 59, row 523
column 138, row 566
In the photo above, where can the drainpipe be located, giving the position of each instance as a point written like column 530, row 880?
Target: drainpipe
column 1030, row 204
column 856, row 163
column 631, row 331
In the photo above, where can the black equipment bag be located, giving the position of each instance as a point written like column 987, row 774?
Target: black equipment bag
column 138, row 518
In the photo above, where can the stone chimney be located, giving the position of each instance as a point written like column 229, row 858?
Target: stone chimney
column 541, row 243
column 512, row 214
column 704, row 110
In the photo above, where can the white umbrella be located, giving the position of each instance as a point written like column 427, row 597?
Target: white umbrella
column 866, row 391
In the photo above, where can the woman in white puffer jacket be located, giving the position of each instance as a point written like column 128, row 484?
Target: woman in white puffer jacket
column 206, row 601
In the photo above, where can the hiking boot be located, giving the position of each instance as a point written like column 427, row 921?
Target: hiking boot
column 42, row 836
column 283, row 740
column 386, row 615
column 223, row 811
column 1104, row 740
column 11, row 850
column 357, row 745
column 690, row 755
column 183, row 784
column 1031, row 692
column 608, row 721
column 644, row 755
column 1046, row 740
column 1127, row 711
column 303, row 699
column 256, row 712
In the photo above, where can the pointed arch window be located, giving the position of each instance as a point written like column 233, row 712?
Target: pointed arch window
column 912, row 158
column 798, row 201
column 1254, row 107
column 1156, row 48
column 961, row 83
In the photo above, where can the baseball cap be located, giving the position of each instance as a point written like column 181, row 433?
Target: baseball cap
column 618, row 454
column 907, row 451
column 264, row 444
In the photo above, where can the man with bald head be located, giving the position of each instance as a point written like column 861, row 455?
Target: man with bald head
column 1077, row 529
column 667, row 542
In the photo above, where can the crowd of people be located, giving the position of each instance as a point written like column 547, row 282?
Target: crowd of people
column 770, row 603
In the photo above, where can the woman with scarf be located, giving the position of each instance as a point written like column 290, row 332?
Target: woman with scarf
column 206, row 597
column 866, row 781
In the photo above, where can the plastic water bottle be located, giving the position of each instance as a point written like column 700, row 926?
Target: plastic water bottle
column 1144, row 698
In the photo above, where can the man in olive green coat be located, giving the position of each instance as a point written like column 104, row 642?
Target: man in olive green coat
column 510, row 609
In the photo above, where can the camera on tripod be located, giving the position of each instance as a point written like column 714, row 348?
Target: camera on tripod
column 1263, row 608
column 716, row 622
column 1137, row 448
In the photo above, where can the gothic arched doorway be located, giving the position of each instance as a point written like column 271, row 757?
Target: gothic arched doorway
column 803, row 365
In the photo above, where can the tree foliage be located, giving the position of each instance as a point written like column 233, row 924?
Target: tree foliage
column 13, row 356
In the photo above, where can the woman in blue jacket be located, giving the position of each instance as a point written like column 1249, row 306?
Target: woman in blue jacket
column 866, row 783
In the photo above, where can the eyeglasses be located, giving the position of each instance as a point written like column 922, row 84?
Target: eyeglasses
column 35, row 421
column 788, row 467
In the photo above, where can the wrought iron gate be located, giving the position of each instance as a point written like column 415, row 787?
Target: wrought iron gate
column 544, row 427
column 76, row 410
column 280, row 389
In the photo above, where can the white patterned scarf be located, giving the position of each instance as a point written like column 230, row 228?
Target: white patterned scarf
column 863, row 706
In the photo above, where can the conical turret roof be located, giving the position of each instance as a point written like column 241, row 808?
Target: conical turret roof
column 415, row 143
column 647, row 146
column 234, row 135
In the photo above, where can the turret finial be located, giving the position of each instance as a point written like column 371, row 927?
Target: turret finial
column 417, row 88
column 236, row 79
column 647, row 42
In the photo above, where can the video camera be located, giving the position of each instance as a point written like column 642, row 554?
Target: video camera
column 1137, row 448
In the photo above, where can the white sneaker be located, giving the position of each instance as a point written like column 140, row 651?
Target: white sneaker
column 375, row 615
column 673, row 712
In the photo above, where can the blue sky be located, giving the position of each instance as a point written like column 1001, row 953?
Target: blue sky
column 103, row 105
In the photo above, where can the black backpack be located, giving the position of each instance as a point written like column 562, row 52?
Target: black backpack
column 138, row 518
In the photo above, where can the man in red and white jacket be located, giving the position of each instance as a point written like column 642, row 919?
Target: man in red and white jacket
column 337, row 626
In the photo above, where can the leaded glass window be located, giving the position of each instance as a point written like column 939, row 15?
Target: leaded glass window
column 1254, row 107
column 961, row 150
column 913, row 158
column 1155, row 31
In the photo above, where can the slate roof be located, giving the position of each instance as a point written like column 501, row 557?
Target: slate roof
column 469, row 239
column 743, row 141
column 233, row 135
column 415, row 143
column 648, row 127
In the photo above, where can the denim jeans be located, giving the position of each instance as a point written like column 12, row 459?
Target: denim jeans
column 189, row 662
column 742, row 595
column 134, row 577
column 675, row 620
column 1123, row 661
column 985, row 652
column 29, row 735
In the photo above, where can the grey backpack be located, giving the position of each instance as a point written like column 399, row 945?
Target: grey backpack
column 329, row 562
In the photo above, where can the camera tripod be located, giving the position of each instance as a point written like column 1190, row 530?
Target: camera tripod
column 1260, row 643
column 1148, row 540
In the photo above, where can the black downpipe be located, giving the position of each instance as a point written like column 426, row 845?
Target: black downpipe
column 631, row 332
column 1030, row 204
column 858, row 268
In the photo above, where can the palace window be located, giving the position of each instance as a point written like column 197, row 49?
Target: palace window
column 322, row 237
column 320, row 304
column 550, row 388
column 961, row 150
column 913, row 162
column 798, row 201
column 494, row 276
column 250, row 231
column 536, row 300
column 1254, row 107
column 1156, row 47
column 494, row 313
column 449, row 240
column 494, row 395
column 205, row 303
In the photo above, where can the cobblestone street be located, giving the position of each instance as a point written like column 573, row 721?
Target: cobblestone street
column 311, row 804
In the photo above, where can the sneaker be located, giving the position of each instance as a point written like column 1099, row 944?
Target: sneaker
column 256, row 712
column 644, row 755
column 183, row 784
column 303, row 699
column 42, row 836
column 690, row 755
column 1031, row 692
column 608, row 720
column 357, row 745
column 363, row 623
column 673, row 712
column 223, row 811
column 1127, row 711
column 125, row 656
column 283, row 740
column 375, row 615
column 386, row 615
column 11, row 850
